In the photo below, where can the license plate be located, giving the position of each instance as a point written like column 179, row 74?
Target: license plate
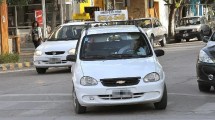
column 54, row 60
column 121, row 93
column 185, row 35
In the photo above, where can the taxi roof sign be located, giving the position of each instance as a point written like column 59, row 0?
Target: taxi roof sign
column 107, row 16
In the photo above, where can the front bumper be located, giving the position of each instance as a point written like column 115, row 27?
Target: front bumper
column 204, row 72
column 188, row 35
column 44, row 61
column 102, row 96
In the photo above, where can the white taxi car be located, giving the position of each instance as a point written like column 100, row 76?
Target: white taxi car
column 116, row 65
column 62, row 42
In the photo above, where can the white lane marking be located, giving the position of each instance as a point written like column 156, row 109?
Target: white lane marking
column 206, row 108
column 26, row 95
column 47, row 101
column 193, row 95
column 12, row 71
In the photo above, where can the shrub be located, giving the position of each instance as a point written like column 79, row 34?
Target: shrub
column 9, row 58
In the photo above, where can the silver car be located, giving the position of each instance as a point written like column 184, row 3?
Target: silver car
column 156, row 32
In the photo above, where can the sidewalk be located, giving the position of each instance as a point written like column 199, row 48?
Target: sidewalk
column 26, row 61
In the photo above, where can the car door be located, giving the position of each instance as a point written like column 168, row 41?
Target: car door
column 157, row 30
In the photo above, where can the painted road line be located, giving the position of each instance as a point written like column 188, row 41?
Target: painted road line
column 193, row 95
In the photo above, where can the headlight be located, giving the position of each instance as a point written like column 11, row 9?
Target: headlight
column 152, row 77
column 203, row 57
column 71, row 51
column 38, row 53
column 194, row 30
column 88, row 81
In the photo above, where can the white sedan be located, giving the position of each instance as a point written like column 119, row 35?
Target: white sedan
column 116, row 65
column 62, row 42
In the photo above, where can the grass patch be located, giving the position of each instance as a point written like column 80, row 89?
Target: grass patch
column 9, row 58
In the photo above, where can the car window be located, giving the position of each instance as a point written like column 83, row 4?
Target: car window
column 190, row 21
column 158, row 23
column 115, row 46
column 145, row 23
column 70, row 32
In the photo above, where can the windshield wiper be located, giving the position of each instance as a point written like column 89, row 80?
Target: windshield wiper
column 120, row 56
column 94, row 57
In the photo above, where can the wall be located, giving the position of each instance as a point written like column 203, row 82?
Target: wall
column 137, row 9
column 164, row 13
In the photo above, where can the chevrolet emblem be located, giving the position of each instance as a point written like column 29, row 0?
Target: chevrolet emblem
column 120, row 82
column 54, row 53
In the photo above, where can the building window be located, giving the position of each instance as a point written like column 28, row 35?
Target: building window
column 119, row 4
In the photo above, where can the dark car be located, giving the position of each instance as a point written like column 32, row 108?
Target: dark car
column 205, row 67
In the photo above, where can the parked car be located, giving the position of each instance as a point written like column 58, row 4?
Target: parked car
column 61, row 42
column 192, row 27
column 156, row 32
column 116, row 65
column 206, row 65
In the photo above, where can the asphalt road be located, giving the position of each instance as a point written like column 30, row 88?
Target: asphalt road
column 25, row 95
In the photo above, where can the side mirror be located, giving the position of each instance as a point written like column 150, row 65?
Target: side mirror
column 71, row 58
column 159, row 52
column 206, row 39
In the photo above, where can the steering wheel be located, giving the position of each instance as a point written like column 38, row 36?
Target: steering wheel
column 126, row 51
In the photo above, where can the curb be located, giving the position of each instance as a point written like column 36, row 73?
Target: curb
column 15, row 66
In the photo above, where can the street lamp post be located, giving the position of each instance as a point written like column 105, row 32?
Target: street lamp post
column 44, row 18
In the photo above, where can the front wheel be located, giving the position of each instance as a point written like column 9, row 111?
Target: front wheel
column 152, row 38
column 41, row 70
column 187, row 40
column 78, row 108
column 204, row 88
column 161, row 105
column 163, row 41
column 177, row 40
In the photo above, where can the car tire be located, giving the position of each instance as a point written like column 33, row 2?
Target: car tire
column 79, row 109
column 187, row 40
column 200, row 37
column 161, row 105
column 163, row 41
column 41, row 70
column 177, row 40
column 152, row 38
column 204, row 88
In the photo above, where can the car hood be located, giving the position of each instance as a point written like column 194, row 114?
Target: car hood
column 118, row 68
column 188, row 27
column 57, row 45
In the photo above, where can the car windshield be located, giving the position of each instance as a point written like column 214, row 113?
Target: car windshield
column 115, row 46
column 145, row 23
column 190, row 21
column 70, row 32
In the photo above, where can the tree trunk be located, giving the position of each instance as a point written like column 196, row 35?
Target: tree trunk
column 171, row 20
column 54, row 14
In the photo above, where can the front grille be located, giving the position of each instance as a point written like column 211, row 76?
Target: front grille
column 55, row 53
column 120, row 81
column 60, row 62
column 185, row 31
column 110, row 97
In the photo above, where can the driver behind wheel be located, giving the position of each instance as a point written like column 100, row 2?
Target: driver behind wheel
column 136, row 47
